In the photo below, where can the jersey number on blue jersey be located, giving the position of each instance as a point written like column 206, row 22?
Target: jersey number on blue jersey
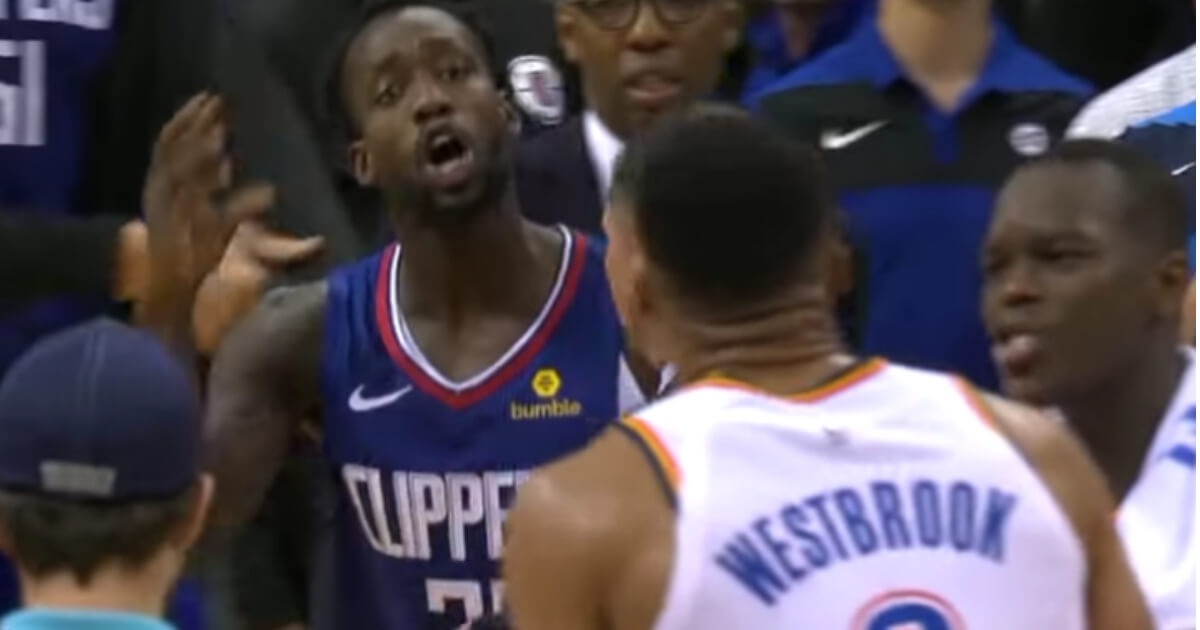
column 22, row 104
column 443, row 594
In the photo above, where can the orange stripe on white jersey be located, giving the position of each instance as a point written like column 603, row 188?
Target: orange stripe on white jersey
column 977, row 402
column 837, row 385
column 656, row 448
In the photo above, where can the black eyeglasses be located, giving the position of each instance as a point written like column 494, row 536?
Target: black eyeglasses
column 621, row 14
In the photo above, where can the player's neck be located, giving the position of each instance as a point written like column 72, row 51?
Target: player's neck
column 113, row 588
column 498, row 261
column 1118, row 420
column 942, row 44
column 781, row 347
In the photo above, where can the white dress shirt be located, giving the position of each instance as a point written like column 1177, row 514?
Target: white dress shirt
column 603, row 147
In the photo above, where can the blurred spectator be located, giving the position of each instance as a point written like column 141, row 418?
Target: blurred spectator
column 638, row 59
column 921, row 114
column 786, row 32
column 101, row 490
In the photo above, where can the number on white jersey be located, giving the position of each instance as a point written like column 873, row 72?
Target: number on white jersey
column 907, row 610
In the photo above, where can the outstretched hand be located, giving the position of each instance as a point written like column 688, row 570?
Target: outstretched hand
column 208, row 257
column 229, row 292
column 189, row 225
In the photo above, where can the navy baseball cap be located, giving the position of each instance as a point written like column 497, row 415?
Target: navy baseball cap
column 102, row 412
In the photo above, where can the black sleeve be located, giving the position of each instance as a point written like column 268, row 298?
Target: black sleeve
column 44, row 256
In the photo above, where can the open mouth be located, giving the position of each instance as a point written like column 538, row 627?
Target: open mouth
column 445, row 148
column 448, row 158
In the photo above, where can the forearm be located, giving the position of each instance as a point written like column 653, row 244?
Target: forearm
column 246, row 437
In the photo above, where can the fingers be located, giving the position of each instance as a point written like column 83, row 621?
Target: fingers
column 249, row 202
column 276, row 249
column 191, row 147
column 180, row 121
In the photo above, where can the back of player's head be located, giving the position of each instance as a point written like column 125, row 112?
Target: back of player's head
column 330, row 87
column 729, row 209
column 1151, row 203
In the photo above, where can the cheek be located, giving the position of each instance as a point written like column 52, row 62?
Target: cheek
column 1100, row 322
column 619, row 270
column 383, row 139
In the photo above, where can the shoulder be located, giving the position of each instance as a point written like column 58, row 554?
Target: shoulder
column 831, row 68
column 1031, row 72
column 1059, row 459
column 287, row 321
column 294, row 304
column 590, row 537
column 593, row 497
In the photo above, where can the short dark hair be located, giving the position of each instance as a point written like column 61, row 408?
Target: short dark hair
column 329, row 90
column 1152, row 203
column 50, row 534
column 728, row 207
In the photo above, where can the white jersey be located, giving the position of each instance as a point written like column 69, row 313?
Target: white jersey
column 1157, row 519
column 883, row 501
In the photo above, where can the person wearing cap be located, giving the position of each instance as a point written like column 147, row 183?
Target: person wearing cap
column 101, row 490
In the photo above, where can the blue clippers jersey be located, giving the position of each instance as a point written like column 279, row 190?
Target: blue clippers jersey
column 428, row 467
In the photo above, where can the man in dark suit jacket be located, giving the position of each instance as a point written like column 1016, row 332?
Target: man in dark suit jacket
column 638, row 60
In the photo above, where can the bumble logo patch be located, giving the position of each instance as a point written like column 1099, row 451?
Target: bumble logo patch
column 546, row 384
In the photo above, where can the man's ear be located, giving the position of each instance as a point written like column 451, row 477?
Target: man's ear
column 192, row 527
column 361, row 164
column 1171, row 280
column 511, row 116
column 735, row 21
column 566, row 24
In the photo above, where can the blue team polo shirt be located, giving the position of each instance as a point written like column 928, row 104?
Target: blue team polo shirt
column 917, row 183
column 71, row 619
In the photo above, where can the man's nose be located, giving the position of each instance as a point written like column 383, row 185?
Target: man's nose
column 648, row 33
column 430, row 101
column 1019, row 284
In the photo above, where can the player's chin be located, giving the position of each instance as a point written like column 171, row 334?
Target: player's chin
column 1032, row 389
column 458, row 203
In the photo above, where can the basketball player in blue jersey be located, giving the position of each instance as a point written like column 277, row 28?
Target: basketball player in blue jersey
column 443, row 368
column 787, row 484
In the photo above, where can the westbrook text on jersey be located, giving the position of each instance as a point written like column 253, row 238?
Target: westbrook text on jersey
column 408, row 514
column 847, row 524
